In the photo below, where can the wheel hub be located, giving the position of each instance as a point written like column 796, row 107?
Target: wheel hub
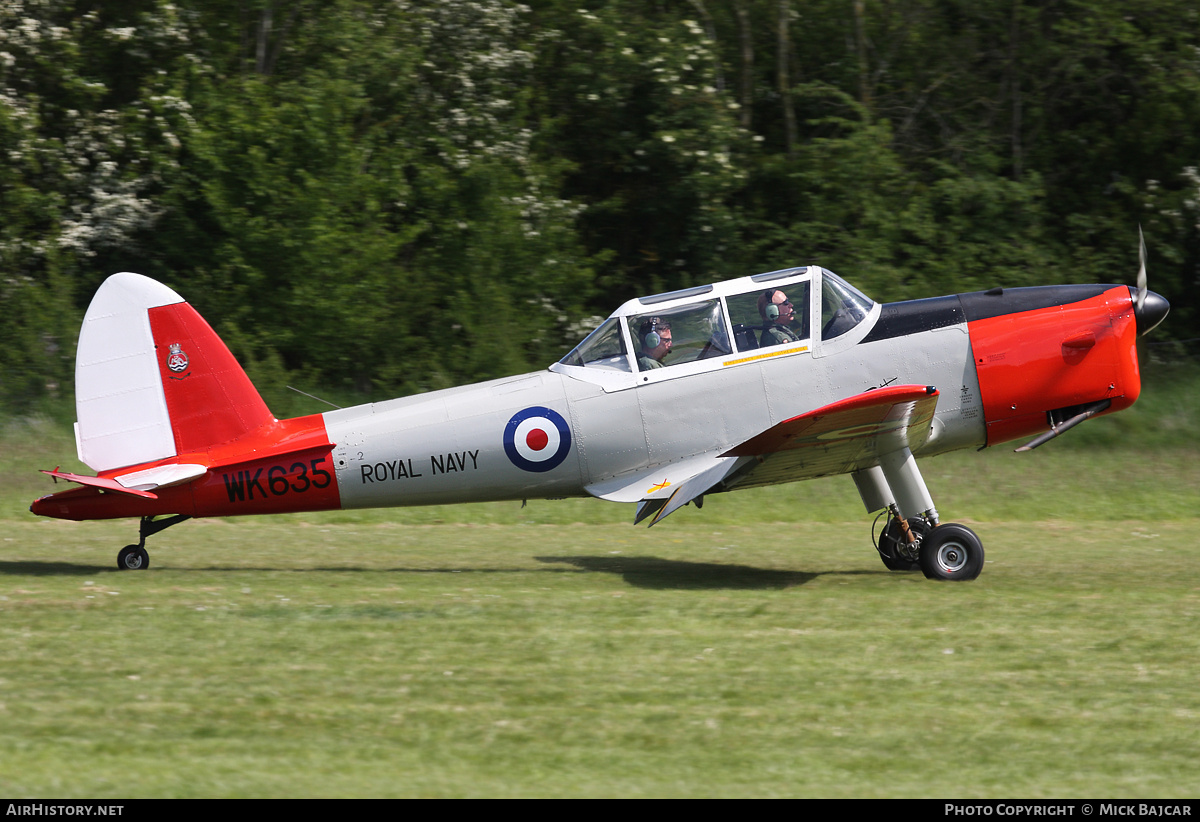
column 952, row 557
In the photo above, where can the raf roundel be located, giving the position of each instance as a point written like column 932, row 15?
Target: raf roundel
column 537, row 439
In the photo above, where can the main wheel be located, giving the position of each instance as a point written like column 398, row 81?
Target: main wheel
column 133, row 558
column 893, row 537
column 951, row 551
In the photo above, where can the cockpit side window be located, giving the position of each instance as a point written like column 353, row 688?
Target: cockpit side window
column 685, row 334
column 755, row 325
column 842, row 306
column 603, row 348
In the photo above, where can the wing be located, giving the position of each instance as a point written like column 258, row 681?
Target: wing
column 839, row 438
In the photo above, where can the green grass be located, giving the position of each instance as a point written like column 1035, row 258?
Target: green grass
column 265, row 659
column 755, row 648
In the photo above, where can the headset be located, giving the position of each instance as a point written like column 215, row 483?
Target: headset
column 649, row 332
column 770, row 309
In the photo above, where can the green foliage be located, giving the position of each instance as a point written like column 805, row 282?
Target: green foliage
column 634, row 101
column 87, row 130
column 375, row 215
column 37, row 339
column 380, row 198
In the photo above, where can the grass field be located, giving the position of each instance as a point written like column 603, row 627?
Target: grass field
column 755, row 648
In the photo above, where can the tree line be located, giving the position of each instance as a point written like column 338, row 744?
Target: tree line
column 378, row 198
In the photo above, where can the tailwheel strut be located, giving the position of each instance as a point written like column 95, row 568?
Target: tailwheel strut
column 135, row 557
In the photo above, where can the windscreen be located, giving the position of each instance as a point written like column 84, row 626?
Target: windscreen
column 842, row 305
column 603, row 348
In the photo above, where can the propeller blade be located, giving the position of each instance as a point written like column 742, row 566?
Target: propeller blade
column 1141, row 278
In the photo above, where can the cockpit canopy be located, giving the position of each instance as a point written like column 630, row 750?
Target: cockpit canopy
column 723, row 320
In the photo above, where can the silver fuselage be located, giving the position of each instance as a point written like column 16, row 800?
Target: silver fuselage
column 449, row 446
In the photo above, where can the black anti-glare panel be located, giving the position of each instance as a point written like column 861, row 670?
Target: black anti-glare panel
column 914, row 316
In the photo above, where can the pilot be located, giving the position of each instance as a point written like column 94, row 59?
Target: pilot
column 778, row 314
column 655, row 338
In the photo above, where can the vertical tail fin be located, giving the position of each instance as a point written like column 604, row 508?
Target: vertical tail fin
column 153, row 380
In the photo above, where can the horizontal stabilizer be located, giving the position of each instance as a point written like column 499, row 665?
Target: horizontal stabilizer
column 102, row 483
column 138, row 483
column 163, row 475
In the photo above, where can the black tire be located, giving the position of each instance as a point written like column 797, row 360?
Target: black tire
column 893, row 535
column 952, row 552
column 133, row 558
column 898, row 564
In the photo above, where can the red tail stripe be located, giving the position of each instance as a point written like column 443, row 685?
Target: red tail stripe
column 210, row 399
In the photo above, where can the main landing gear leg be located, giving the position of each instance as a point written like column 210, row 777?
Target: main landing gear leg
column 913, row 537
column 134, row 557
column 899, row 544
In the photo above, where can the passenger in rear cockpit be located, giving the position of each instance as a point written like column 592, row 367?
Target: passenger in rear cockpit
column 778, row 314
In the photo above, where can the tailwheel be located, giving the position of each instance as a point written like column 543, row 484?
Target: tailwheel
column 894, row 550
column 952, row 552
column 133, row 558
